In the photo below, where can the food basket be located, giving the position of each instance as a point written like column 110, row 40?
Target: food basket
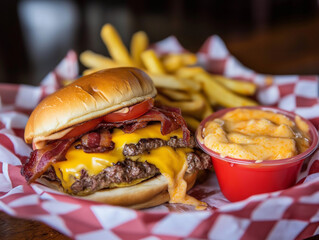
column 289, row 214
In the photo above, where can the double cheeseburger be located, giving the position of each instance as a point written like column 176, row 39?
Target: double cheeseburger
column 103, row 138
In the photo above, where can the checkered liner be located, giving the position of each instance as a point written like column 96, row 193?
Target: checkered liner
column 288, row 214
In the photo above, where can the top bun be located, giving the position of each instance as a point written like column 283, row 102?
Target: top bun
column 87, row 98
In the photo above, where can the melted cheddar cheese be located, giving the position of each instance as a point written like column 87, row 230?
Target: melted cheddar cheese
column 171, row 163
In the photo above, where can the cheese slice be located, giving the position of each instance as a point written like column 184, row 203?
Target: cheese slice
column 171, row 163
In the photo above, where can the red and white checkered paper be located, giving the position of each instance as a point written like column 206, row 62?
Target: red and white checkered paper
column 289, row 214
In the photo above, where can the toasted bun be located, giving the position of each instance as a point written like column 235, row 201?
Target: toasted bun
column 89, row 97
column 149, row 193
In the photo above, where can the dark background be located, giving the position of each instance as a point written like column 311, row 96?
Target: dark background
column 274, row 36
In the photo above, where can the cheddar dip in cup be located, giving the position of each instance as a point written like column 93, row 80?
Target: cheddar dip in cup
column 256, row 149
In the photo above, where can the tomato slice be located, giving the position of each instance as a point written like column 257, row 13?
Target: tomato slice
column 133, row 112
column 83, row 128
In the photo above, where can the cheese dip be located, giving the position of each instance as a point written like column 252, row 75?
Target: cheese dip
column 256, row 135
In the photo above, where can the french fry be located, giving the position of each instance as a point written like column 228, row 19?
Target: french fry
column 175, row 95
column 193, row 107
column 243, row 88
column 139, row 44
column 94, row 60
column 183, row 96
column 207, row 110
column 115, row 45
column 189, row 72
column 211, row 100
column 172, row 62
column 192, row 85
column 168, row 81
column 192, row 123
column 217, row 92
column 189, row 58
column 152, row 62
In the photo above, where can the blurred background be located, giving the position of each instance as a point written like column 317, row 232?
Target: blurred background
column 269, row 36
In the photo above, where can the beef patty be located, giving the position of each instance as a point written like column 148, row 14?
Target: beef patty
column 129, row 171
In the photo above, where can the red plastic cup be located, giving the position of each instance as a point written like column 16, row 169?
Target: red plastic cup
column 240, row 179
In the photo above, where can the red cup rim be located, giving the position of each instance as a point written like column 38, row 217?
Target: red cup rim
column 312, row 130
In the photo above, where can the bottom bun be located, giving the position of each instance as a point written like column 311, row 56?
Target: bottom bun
column 149, row 193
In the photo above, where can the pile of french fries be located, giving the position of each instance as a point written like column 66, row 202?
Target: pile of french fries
column 180, row 83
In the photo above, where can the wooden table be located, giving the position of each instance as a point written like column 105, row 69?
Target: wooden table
column 289, row 48
column 13, row 228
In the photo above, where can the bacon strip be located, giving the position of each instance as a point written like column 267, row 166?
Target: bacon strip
column 41, row 159
column 96, row 142
column 91, row 140
column 105, row 138
column 170, row 119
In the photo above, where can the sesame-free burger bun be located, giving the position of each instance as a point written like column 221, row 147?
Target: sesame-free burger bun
column 87, row 98
column 149, row 193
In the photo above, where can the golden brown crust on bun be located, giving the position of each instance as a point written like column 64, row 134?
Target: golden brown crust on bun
column 89, row 97
column 149, row 193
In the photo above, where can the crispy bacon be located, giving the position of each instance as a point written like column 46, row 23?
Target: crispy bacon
column 91, row 140
column 97, row 142
column 129, row 128
column 170, row 119
column 41, row 159
column 99, row 149
column 168, row 108
column 105, row 138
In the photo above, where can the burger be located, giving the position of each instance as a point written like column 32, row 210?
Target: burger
column 104, row 138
